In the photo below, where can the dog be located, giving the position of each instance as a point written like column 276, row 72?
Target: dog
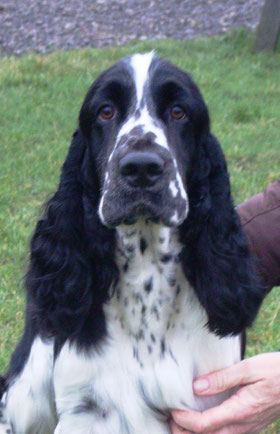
column 140, row 277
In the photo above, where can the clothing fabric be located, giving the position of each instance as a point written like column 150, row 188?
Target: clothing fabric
column 260, row 217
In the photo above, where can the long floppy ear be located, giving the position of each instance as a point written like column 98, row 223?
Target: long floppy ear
column 72, row 264
column 216, row 258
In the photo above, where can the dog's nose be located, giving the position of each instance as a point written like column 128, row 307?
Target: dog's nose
column 141, row 169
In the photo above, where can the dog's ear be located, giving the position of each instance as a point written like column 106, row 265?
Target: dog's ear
column 216, row 258
column 71, row 265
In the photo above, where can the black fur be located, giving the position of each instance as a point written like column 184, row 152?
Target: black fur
column 216, row 258
column 71, row 264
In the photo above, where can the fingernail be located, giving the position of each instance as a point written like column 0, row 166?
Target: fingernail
column 201, row 385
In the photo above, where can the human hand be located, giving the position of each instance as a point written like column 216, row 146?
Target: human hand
column 254, row 406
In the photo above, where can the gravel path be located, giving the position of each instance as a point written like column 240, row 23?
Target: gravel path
column 47, row 25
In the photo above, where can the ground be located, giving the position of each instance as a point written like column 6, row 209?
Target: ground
column 49, row 25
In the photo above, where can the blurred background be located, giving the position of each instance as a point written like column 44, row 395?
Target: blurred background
column 48, row 25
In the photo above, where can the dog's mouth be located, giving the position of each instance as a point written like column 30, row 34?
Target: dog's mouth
column 139, row 210
column 115, row 210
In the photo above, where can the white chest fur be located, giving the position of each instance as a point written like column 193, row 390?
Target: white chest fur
column 157, row 343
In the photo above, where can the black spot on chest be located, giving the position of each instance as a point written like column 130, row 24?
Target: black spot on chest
column 155, row 312
column 143, row 245
column 172, row 281
column 130, row 248
column 162, row 346
column 148, row 286
column 178, row 290
column 166, row 258
column 136, row 356
column 87, row 405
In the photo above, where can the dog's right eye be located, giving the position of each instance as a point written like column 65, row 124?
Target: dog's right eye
column 178, row 113
column 106, row 113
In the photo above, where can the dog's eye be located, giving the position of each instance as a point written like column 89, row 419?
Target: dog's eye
column 106, row 112
column 178, row 112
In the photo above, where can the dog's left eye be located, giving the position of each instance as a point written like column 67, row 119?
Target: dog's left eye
column 177, row 112
column 106, row 113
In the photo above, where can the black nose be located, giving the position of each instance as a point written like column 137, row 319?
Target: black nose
column 141, row 169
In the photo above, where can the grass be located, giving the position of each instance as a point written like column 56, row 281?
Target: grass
column 40, row 98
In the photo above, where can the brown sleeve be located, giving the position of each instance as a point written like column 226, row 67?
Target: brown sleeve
column 260, row 217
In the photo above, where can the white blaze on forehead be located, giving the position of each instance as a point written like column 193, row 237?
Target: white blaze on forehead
column 141, row 64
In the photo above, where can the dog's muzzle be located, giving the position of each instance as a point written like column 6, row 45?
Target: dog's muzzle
column 142, row 181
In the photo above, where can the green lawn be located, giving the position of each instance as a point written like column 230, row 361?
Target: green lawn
column 40, row 99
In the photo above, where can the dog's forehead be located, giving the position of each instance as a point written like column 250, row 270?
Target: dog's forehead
column 149, row 70
column 135, row 67
column 141, row 71
column 140, row 67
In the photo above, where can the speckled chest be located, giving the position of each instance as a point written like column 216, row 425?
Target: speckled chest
column 146, row 297
column 157, row 328
column 157, row 343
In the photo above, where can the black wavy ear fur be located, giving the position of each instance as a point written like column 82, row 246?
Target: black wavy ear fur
column 216, row 258
column 71, row 264
column 72, row 255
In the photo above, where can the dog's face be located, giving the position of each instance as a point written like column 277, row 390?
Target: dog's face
column 142, row 119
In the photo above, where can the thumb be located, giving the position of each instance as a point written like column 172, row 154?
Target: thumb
column 225, row 379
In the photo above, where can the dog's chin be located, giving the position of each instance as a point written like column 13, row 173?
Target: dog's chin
column 114, row 216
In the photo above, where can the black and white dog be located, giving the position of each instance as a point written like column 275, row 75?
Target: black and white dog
column 140, row 277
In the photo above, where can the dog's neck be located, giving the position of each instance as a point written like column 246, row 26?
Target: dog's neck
column 147, row 298
column 145, row 244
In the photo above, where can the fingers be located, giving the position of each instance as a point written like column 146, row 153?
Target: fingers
column 215, row 418
column 245, row 372
column 229, row 429
column 225, row 379
column 175, row 429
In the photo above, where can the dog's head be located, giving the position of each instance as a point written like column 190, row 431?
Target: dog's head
column 143, row 149
column 142, row 119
